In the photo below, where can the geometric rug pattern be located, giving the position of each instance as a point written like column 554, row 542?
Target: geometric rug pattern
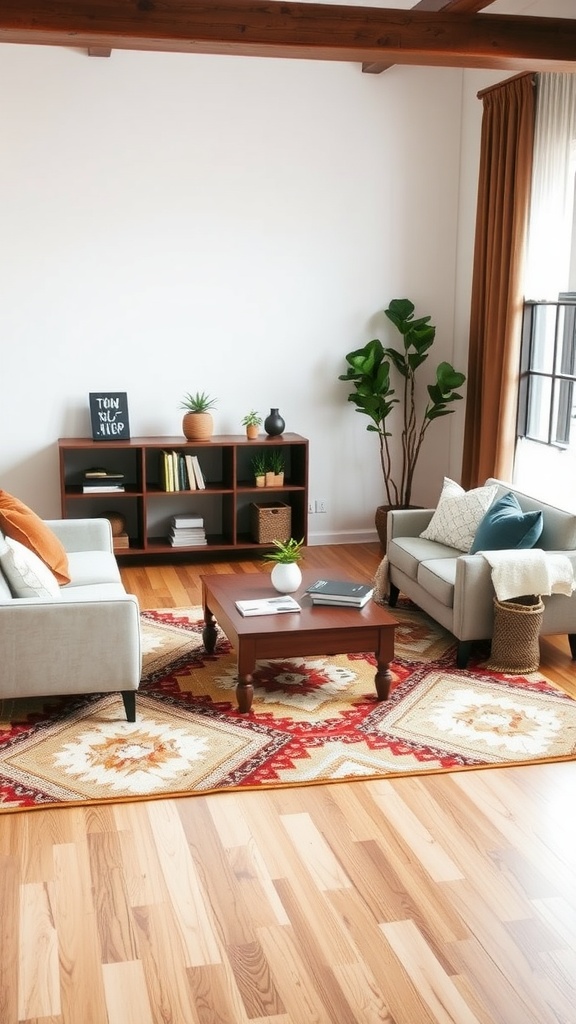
column 312, row 720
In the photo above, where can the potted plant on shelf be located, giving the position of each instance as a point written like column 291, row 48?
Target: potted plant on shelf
column 252, row 421
column 259, row 463
column 197, row 423
column 286, row 576
column 275, row 468
column 374, row 396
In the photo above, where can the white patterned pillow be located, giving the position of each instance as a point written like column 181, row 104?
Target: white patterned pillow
column 26, row 574
column 459, row 514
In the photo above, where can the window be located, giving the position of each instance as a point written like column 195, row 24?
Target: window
column 547, row 397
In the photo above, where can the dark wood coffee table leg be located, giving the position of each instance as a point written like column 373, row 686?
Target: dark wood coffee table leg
column 244, row 694
column 246, row 666
column 209, row 633
column 383, row 680
column 384, row 657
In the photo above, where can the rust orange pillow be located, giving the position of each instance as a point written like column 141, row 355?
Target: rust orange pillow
column 22, row 524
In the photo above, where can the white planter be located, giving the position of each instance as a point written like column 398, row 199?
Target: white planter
column 286, row 577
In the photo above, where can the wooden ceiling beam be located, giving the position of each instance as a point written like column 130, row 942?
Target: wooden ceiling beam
column 297, row 30
column 458, row 6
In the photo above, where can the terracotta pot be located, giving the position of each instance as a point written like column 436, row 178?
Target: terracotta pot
column 197, row 426
column 252, row 432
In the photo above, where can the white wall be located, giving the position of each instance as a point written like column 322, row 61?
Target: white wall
column 173, row 223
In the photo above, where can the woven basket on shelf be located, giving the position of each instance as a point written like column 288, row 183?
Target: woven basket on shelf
column 270, row 521
column 515, row 640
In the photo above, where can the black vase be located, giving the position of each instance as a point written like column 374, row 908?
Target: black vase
column 274, row 424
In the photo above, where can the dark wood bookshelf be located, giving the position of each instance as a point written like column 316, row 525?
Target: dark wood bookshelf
column 147, row 507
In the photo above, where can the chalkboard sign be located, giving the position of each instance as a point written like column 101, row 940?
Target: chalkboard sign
column 109, row 415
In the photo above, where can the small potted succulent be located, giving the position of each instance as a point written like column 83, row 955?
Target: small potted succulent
column 286, row 576
column 252, row 421
column 197, row 423
column 259, row 463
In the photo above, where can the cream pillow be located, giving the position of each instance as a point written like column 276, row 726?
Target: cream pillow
column 26, row 574
column 459, row 514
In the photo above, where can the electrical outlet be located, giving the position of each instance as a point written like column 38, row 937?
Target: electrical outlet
column 311, row 508
column 321, row 505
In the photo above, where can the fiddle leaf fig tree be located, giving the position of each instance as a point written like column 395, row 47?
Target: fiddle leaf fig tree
column 369, row 370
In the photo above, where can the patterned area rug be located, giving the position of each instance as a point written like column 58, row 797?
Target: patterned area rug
column 312, row 720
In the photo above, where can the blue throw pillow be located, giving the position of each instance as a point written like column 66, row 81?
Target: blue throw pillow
column 505, row 525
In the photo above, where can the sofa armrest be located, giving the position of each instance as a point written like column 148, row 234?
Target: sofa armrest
column 55, row 647
column 408, row 522
column 473, row 598
column 83, row 534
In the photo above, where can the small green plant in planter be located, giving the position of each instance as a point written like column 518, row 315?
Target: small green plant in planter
column 286, row 576
column 275, row 468
column 197, row 424
column 285, row 551
column 259, row 467
column 252, row 421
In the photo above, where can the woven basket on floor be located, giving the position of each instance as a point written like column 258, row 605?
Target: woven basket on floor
column 515, row 640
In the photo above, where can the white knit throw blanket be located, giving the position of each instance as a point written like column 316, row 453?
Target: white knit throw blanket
column 530, row 571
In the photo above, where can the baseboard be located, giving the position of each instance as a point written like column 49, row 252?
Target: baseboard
column 316, row 538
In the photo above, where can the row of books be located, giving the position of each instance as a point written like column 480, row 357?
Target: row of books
column 187, row 530
column 102, row 481
column 180, row 472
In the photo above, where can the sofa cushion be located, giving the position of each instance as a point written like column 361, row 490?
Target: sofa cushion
column 407, row 553
column 458, row 514
column 22, row 524
column 89, row 567
column 437, row 576
column 26, row 574
column 505, row 526
column 92, row 592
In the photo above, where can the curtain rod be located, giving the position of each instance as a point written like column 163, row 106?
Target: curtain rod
column 513, row 78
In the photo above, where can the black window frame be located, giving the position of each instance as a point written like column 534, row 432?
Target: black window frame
column 561, row 378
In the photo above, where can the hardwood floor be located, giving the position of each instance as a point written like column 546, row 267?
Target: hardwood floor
column 449, row 899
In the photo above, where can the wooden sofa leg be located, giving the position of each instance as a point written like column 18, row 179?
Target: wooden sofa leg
column 129, row 698
column 463, row 653
column 393, row 595
column 572, row 642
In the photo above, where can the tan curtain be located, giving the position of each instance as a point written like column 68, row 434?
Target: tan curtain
column 496, row 305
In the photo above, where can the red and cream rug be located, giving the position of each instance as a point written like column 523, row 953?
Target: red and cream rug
column 313, row 720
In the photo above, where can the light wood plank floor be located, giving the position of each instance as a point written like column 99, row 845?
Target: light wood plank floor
column 442, row 900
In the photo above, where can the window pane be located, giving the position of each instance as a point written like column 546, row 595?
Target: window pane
column 543, row 339
column 539, row 399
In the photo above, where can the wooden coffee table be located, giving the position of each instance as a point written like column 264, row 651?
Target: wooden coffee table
column 314, row 630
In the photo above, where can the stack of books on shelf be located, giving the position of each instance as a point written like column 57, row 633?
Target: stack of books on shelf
column 341, row 593
column 180, row 472
column 187, row 531
column 101, row 481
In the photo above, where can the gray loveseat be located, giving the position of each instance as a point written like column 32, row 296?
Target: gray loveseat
column 86, row 638
column 456, row 589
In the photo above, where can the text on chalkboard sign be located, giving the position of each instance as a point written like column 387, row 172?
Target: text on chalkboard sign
column 109, row 415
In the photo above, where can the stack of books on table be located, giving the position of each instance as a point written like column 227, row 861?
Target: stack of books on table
column 342, row 593
column 187, row 531
column 101, row 481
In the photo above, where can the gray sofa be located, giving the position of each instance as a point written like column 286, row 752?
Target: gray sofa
column 456, row 589
column 86, row 638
